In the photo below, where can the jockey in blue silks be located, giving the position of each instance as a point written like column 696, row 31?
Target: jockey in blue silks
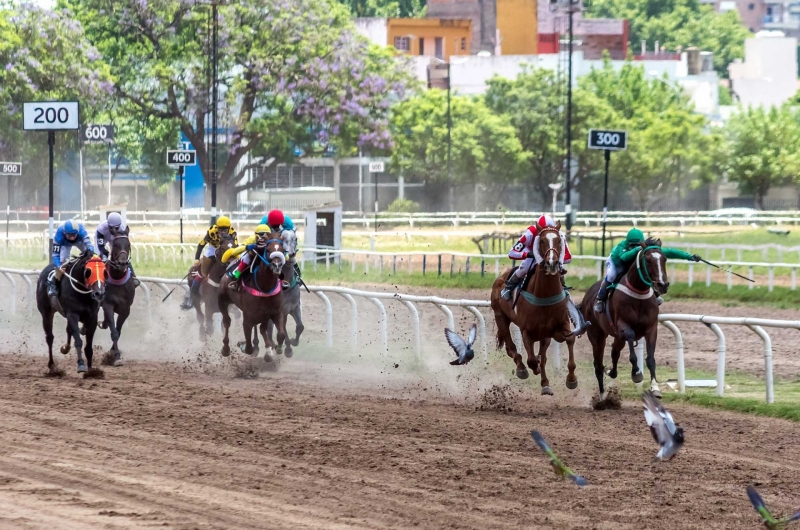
column 70, row 234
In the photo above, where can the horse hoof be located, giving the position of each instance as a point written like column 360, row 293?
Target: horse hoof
column 611, row 373
column 637, row 378
column 522, row 374
column 288, row 353
column 242, row 346
column 226, row 351
column 118, row 360
column 65, row 349
column 572, row 385
column 547, row 391
column 81, row 368
column 295, row 342
column 279, row 350
column 102, row 325
column 268, row 358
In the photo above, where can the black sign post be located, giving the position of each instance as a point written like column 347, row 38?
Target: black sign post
column 607, row 141
column 181, row 159
column 9, row 169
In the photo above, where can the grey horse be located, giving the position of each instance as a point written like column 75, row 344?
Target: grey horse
column 291, row 291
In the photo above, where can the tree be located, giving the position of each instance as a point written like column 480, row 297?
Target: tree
column 292, row 75
column 762, row 149
column 386, row 8
column 44, row 55
column 484, row 149
column 682, row 23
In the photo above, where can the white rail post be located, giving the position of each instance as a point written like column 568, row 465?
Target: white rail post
column 481, row 331
column 31, row 296
column 449, row 314
column 708, row 275
column 767, row 360
column 353, row 318
column 691, row 274
column 720, row 357
column 794, row 278
column 415, row 320
column 146, row 290
column 384, row 325
column 730, row 280
column 556, row 354
column 771, row 280
column 679, row 358
column 328, row 318
column 13, row 292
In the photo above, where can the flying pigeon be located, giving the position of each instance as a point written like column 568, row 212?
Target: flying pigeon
column 769, row 521
column 560, row 469
column 463, row 349
column 662, row 427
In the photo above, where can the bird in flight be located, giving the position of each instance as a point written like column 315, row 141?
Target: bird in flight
column 769, row 521
column 462, row 348
column 558, row 466
column 666, row 433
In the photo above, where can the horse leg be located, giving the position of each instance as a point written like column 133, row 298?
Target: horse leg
column 543, row 345
column 598, row 340
column 73, row 328
column 527, row 343
column 572, row 379
column 265, row 333
column 504, row 338
column 66, row 347
column 248, row 334
column 47, row 324
column 282, row 319
column 198, row 309
column 636, row 375
column 108, row 320
column 297, row 315
column 90, row 328
column 226, row 325
column 616, row 351
column 121, row 318
column 209, row 321
column 650, row 340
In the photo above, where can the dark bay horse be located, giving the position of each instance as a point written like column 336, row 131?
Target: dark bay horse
column 120, row 292
column 631, row 313
column 541, row 313
column 80, row 291
column 291, row 292
column 209, row 291
column 260, row 298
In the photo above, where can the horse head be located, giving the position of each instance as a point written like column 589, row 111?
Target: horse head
column 551, row 248
column 225, row 244
column 121, row 251
column 289, row 238
column 95, row 276
column 653, row 265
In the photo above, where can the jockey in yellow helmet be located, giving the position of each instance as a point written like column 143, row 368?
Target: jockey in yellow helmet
column 206, row 250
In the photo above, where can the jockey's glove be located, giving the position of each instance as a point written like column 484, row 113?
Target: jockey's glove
column 251, row 247
column 696, row 258
column 196, row 262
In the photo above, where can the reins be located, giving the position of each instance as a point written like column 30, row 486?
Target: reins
column 641, row 258
column 72, row 280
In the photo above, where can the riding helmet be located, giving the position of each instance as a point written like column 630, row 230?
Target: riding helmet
column 635, row 236
column 223, row 222
column 71, row 227
column 114, row 219
column 275, row 218
column 545, row 221
column 262, row 228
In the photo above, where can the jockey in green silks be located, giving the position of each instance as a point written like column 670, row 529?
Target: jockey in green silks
column 621, row 259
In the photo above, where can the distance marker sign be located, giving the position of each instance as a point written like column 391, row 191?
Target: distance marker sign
column 97, row 134
column 50, row 116
column 181, row 158
column 12, row 169
column 611, row 140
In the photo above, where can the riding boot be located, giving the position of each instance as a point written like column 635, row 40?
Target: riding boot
column 193, row 291
column 136, row 281
column 52, row 292
column 602, row 296
column 511, row 284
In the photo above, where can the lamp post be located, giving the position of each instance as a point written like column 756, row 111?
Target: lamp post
column 555, row 187
column 568, row 166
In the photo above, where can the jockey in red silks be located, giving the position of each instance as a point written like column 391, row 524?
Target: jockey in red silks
column 527, row 250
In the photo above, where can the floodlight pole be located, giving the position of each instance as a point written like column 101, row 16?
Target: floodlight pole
column 568, row 165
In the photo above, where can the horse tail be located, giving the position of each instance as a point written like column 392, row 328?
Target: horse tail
column 500, row 340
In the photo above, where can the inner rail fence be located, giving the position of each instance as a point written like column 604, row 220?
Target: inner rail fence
column 464, row 263
column 445, row 305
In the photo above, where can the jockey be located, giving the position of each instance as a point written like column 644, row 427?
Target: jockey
column 277, row 221
column 257, row 240
column 70, row 234
column 527, row 250
column 107, row 232
column 621, row 259
column 207, row 248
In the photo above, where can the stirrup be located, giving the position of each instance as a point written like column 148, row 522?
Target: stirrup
column 507, row 292
column 599, row 306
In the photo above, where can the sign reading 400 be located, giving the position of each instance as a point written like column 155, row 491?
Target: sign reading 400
column 50, row 116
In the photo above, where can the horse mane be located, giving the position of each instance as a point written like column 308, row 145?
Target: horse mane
column 651, row 242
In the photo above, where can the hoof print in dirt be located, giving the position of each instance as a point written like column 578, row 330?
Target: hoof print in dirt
column 94, row 373
column 269, row 366
column 55, row 372
column 108, row 359
column 247, row 369
column 611, row 401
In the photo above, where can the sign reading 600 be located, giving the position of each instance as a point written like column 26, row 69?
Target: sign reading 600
column 50, row 116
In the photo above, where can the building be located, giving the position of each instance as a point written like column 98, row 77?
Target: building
column 426, row 37
column 592, row 36
column 758, row 15
column 768, row 74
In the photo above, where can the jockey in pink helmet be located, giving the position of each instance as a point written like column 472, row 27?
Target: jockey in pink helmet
column 526, row 250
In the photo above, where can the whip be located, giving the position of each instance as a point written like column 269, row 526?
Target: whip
column 727, row 270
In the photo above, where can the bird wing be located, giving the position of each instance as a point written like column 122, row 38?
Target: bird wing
column 758, row 504
column 556, row 462
column 455, row 342
column 656, row 421
column 668, row 419
column 795, row 517
column 473, row 332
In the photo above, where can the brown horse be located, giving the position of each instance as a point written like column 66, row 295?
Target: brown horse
column 209, row 289
column 120, row 292
column 631, row 313
column 260, row 298
column 541, row 313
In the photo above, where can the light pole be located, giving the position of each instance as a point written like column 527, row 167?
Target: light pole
column 449, row 115
column 568, row 166
column 555, row 187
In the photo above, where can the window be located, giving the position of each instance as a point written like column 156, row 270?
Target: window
column 751, row 6
column 439, row 47
column 421, row 46
column 463, row 44
column 402, row 43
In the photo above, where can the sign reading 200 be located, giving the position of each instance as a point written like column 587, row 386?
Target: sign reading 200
column 51, row 116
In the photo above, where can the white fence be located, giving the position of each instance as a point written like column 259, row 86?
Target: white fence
column 757, row 325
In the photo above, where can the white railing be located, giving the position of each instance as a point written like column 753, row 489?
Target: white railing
column 668, row 320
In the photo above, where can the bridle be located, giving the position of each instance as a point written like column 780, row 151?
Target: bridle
column 122, row 257
column 550, row 230
column 641, row 265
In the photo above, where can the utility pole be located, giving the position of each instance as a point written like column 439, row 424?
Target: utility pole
column 215, row 105
column 568, row 164
column 449, row 127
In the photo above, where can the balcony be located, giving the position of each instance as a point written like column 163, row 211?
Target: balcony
column 782, row 22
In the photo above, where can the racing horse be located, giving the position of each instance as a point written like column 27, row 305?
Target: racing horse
column 209, row 291
column 631, row 313
column 291, row 292
column 542, row 313
column 260, row 298
column 80, row 291
column 120, row 292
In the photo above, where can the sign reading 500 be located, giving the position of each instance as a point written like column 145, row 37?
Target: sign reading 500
column 50, row 116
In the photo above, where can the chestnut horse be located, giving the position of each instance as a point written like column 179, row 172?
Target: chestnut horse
column 633, row 314
column 260, row 298
column 80, row 291
column 541, row 312
column 209, row 290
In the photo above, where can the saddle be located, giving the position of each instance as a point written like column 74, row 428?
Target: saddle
column 528, row 276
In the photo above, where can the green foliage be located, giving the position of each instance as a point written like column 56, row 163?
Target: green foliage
column 762, row 149
column 725, row 97
column 386, row 8
column 675, row 23
column 485, row 147
column 403, row 206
